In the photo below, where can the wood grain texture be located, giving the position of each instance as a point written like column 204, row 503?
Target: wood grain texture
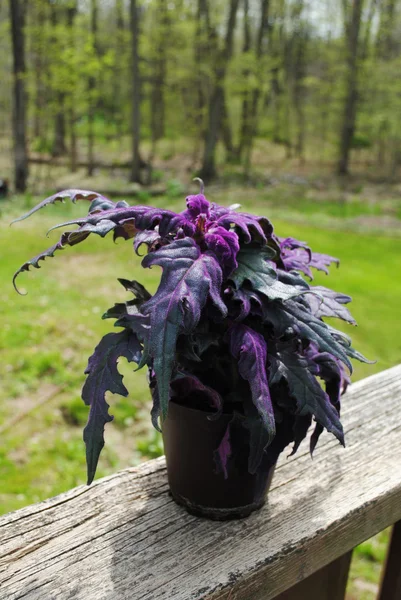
column 390, row 588
column 329, row 583
column 124, row 538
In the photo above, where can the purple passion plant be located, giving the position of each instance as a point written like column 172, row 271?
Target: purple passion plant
column 232, row 327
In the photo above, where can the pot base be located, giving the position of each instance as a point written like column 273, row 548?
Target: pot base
column 217, row 514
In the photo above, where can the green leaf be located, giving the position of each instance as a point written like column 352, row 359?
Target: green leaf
column 255, row 266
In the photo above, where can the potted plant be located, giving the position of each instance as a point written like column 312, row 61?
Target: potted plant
column 239, row 356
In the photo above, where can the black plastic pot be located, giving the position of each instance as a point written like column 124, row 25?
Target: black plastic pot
column 190, row 439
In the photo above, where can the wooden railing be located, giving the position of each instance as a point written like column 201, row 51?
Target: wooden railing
column 124, row 538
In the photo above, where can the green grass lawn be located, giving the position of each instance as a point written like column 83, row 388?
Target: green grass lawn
column 47, row 336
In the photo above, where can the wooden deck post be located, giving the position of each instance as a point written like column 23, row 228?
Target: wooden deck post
column 390, row 588
column 329, row 583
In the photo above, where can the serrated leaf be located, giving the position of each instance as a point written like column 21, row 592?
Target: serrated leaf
column 188, row 279
column 294, row 315
column 103, row 376
column 48, row 253
column 328, row 303
column 72, row 195
column 305, row 389
column 256, row 267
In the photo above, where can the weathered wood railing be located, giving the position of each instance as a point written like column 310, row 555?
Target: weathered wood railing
column 124, row 538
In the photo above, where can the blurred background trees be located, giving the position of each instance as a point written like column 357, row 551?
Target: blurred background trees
column 113, row 78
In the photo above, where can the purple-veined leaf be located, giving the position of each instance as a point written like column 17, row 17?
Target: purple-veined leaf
column 328, row 303
column 249, row 348
column 188, row 279
column 103, row 376
column 72, row 195
column 311, row 399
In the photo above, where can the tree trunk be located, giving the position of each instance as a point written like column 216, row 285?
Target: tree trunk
column 118, row 76
column 216, row 104
column 39, row 66
column 246, row 100
column 17, row 13
column 298, row 59
column 59, row 146
column 157, row 117
column 136, row 93
column 91, row 94
column 352, row 30
column 226, row 133
column 252, row 119
column 71, row 14
column 386, row 47
column 204, row 47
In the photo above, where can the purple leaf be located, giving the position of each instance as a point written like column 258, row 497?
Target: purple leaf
column 225, row 246
column 327, row 303
column 322, row 261
column 297, row 255
column 196, row 205
column 49, row 252
column 72, row 195
column 286, row 364
column 103, row 376
column 257, row 229
column 188, row 279
column 249, row 347
column 148, row 237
